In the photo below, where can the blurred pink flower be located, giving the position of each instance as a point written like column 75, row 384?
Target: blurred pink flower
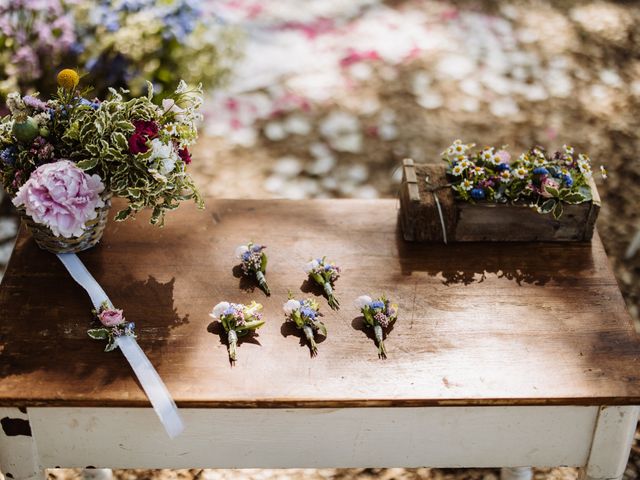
column 551, row 183
column 505, row 157
column 111, row 317
column 61, row 196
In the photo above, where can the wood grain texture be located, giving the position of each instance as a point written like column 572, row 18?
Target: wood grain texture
column 480, row 324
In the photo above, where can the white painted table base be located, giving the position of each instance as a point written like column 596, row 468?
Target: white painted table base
column 596, row 438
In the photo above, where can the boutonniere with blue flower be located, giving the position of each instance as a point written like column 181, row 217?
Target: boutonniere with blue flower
column 378, row 314
column 114, row 325
column 254, row 263
column 325, row 274
column 237, row 320
column 306, row 316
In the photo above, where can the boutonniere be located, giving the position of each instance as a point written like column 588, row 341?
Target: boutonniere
column 114, row 325
column 380, row 315
column 306, row 315
column 325, row 274
column 237, row 320
column 254, row 263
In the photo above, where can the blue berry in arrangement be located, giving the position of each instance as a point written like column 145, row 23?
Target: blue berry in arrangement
column 502, row 167
column 478, row 194
column 540, row 171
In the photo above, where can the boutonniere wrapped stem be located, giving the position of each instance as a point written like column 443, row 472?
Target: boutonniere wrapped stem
column 325, row 274
column 237, row 320
column 254, row 263
column 306, row 316
column 379, row 314
column 113, row 326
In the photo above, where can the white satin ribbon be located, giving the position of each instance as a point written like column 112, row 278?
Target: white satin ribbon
column 152, row 384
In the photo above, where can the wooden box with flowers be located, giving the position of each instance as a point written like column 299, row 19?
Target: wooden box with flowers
column 485, row 195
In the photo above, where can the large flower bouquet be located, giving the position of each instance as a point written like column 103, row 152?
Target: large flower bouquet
column 535, row 177
column 63, row 158
column 119, row 43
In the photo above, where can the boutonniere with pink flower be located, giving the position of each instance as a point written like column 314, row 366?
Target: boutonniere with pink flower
column 237, row 320
column 113, row 325
column 305, row 314
column 325, row 274
column 378, row 314
column 254, row 263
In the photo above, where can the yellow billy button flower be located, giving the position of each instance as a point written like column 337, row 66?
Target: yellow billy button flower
column 68, row 79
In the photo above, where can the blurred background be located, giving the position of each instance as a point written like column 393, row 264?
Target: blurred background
column 323, row 98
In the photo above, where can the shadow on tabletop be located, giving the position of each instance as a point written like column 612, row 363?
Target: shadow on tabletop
column 55, row 342
column 464, row 263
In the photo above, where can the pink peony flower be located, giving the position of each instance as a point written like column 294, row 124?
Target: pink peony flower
column 548, row 182
column 111, row 318
column 62, row 197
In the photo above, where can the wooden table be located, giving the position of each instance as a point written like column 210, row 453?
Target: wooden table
column 503, row 355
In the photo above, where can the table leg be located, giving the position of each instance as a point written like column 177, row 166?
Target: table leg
column 18, row 454
column 516, row 473
column 611, row 444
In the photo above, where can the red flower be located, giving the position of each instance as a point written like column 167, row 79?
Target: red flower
column 138, row 143
column 148, row 128
column 185, row 155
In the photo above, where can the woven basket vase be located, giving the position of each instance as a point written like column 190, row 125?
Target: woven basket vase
column 94, row 229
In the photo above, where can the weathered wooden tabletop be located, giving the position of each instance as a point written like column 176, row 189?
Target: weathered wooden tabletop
column 480, row 324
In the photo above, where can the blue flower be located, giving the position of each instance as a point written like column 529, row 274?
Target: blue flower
column 256, row 248
column 8, row 155
column 229, row 311
column 328, row 268
column 568, row 181
column 308, row 312
column 376, row 304
column 246, row 255
column 502, row 167
column 478, row 194
column 88, row 103
column 540, row 171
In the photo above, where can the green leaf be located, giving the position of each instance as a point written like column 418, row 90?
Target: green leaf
column 253, row 325
column 263, row 264
column 112, row 345
column 88, row 164
column 575, row 197
column 547, row 206
column 322, row 328
column 552, row 191
column 124, row 214
column 557, row 211
column 98, row 333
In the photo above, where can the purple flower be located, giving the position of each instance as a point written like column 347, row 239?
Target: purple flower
column 111, row 317
column 34, row 102
column 62, row 197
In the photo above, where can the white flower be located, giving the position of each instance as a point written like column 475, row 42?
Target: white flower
column 164, row 154
column 487, row 154
column 520, row 172
column 362, row 301
column 457, row 170
column 241, row 250
column 219, row 309
column 467, row 184
column 291, row 306
column 505, row 176
column 169, row 104
column 568, row 149
column 311, row 266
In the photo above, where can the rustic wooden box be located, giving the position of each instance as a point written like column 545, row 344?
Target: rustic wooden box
column 482, row 221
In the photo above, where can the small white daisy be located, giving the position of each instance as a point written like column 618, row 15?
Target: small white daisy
column 457, row 170
column 467, row 184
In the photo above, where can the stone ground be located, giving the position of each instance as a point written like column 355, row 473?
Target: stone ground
column 351, row 88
